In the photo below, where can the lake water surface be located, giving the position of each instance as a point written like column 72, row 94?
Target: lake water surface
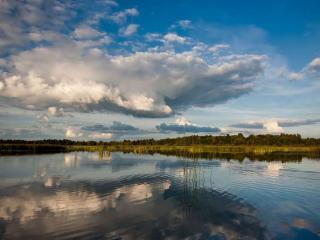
column 126, row 196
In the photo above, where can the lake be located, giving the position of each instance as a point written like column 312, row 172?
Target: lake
column 91, row 195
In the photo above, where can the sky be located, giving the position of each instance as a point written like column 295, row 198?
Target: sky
column 111, row 70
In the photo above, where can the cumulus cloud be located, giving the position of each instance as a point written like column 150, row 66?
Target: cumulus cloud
column 72, row 133
column 69, row 76
column 274, row 125
column 182, row 121
column 121, row 17
column 311, row 70
column 129, row 30
column 18, row 19
column 182, row 125
column 313, row 66
column 173, row 37
column 87, row 32
column 75, row 71
column 23, row 25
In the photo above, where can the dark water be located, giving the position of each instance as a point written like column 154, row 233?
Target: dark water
column 127, row 196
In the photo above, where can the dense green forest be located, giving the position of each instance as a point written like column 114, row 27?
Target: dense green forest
column 234, row 140
column 240, row 139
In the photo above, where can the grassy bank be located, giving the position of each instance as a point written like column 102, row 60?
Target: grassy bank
column 191, row 151
column 285, row 153
column 211, row 148
column 16, row 149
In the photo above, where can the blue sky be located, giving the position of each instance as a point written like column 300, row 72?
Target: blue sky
column 132, row 69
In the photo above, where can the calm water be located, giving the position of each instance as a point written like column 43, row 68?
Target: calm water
column 127, row 196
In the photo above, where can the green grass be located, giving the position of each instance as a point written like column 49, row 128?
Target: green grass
column 215, row 149
column 268, row 153
column 193, row 151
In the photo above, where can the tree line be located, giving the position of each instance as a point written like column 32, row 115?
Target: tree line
column 239, row 139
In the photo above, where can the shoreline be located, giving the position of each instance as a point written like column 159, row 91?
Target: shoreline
column 240, row 152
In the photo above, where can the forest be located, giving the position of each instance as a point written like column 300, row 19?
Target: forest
column 233, row 140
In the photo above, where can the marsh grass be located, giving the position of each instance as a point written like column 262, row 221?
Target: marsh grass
column 285, row 153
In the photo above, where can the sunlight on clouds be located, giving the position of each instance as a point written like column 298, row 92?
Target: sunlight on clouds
column 272, row 127
column 136, row 84
column 100, row 135
column 173, row 37
column 72, row 133
column 182, row 125
column 182, row 121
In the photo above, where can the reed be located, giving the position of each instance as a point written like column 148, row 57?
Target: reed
column 241, row 152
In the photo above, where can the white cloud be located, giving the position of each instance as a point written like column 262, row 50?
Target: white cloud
column 121, row 17
column 72, row 133
column 21, row 23
column 313, row 66
column 184, row 23
column 295, row 76
column 173, row 37
column 94, row 43
column 311, row 70
column 69, row 76
column 182, row 121
column 218, row 47
column 272, row 126
column 182, row 125
column 87, row 32
column 275, row 125
column 129, row 30
column 100, row 135
column 153, row 37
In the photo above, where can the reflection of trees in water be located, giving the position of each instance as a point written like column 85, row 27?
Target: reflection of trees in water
column 105, row 155
column 278, row 156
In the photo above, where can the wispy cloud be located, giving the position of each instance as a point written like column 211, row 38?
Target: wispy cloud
column 121, row 17
column 116, row 127
column 129, row 30
column 173, row 37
